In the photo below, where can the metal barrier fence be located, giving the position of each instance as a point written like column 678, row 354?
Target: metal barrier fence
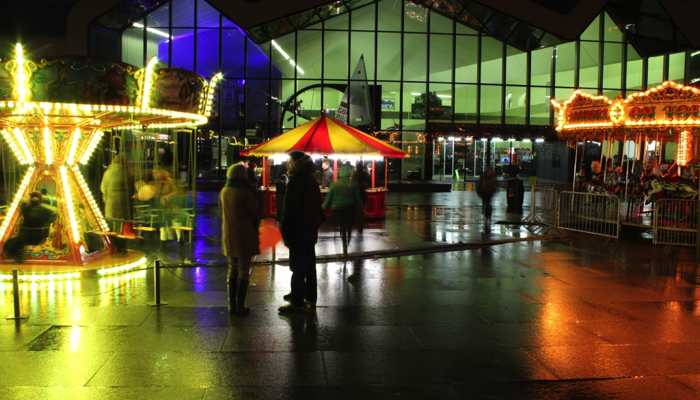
column 562, row 187
column 596, row 214
column 676, row 222
column 543, row 209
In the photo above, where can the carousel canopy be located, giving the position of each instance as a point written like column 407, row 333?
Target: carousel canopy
column 326, row 136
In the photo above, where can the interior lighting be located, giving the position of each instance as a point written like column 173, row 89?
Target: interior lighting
column 286, row 56
column 152, row 30
column 683, row 149
column 74, row 146
column 21, row 77
column 527, row 141
column 69, row 200
column 91, row 147
column 88, row 195
column 539, row 140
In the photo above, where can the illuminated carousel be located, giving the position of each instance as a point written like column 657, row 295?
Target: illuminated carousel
column 53, row 113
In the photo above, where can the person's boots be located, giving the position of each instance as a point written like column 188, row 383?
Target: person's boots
column 240, row 297
column 232, row 296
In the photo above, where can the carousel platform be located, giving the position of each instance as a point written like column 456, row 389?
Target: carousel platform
column 112, row 263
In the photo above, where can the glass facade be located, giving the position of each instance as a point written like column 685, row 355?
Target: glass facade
column 432, row 75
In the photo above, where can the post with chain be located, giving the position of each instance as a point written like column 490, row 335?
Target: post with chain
column 156, row 286
column 15, row 295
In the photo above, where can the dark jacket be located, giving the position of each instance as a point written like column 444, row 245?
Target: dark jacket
column 327, row 177
column 486, row 186
column 302, row 213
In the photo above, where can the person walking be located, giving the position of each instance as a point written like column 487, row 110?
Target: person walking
column 361, row 177
column 344, row 197
column 485, row 188
column 240, row 214
column 301, row 216
column 117, row 188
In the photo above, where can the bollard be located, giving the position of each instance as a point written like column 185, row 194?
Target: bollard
column 156, row 286
column 15, row 295
column 274, row 252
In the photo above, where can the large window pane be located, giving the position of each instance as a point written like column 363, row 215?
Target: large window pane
column 492, row 60
column 282, row 53
column 362, row 19
column 590, row 60
column 465, row 103
column 183, row 13
column 310, row 54
column 542, row 66
column 566, row 64
column 466, row 58
column 593, row 31
column 440, row 24
column 335, row 55
column 415, row 17
column 233, row 57
column 207, row 16
column 540, row 105
column 612, row 70
column 440, row 58
column 183, row 49
column 440, row 102
column 634, row 70
column 208, row 52
column 415, row 57
column 516, row 67
column 339, row 22
column 363, row 44
column 676, row 67
column 612, row 32
column 412, row 111
column 516, row 104
column 390, row 14
column 132, row 47
column 389, row 64
column 655, row 73
column 490, row 104
column 390, row 106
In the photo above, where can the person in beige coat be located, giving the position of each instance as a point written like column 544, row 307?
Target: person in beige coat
column 240, row 215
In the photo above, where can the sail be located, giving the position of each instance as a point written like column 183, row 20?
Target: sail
column 355, row 108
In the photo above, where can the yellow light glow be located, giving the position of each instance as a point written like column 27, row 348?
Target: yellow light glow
column 13, row 146
column 47, row 145
column 20, row 76
column 123, row 268
column 148, row 82
column 74, row 146
column 15, row 201
column 42, row 277
column 96, row 136
column 69, row 201
column 91, row 200
column 683, row 149
column 19, row 136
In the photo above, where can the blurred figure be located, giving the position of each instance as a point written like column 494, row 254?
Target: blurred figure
column 485, row 188
column 165, row 191
column 327, row 174
column 343, row 198
column 37, row 218
column 118, row 190
column 253, row 175
column 280, row 189
column 302, row 216
column 239, row 213
column 363, row 181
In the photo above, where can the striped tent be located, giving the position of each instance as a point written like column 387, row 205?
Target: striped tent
column 326, row 136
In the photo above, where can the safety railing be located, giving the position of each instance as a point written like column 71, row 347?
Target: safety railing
column 596, row 214
column 562, row 187
column 676, row 222
column 543, row 209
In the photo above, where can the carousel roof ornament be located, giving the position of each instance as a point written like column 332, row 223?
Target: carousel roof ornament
column 667, row 108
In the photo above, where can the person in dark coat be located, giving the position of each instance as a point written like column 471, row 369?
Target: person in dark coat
column 280, row 189
column 240, row 214
column 327, row 174
column 363, row 180
column 36, row 222
column 485, row 188
column 301, row 216
column 117, row 188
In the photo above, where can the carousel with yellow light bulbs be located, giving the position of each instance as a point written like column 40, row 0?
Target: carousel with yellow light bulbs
column 648, row 144
column 53, row 114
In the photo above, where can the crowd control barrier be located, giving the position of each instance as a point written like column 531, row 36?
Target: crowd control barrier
column 543, row 209
column 596, row 214
column 676, row 222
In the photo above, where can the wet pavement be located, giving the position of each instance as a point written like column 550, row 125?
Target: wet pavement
column 428, row 305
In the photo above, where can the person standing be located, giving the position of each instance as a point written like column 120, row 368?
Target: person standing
column 280, row 189
column 240, row 214
column 327, row 174
column 343, row 197
column 364, row 181
column 117, row 188
column 301, row 216
column 485, row 189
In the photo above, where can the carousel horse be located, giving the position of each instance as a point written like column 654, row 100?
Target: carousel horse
column 673, row 187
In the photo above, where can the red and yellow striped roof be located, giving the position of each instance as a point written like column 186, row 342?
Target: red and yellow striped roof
column 326, row 136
